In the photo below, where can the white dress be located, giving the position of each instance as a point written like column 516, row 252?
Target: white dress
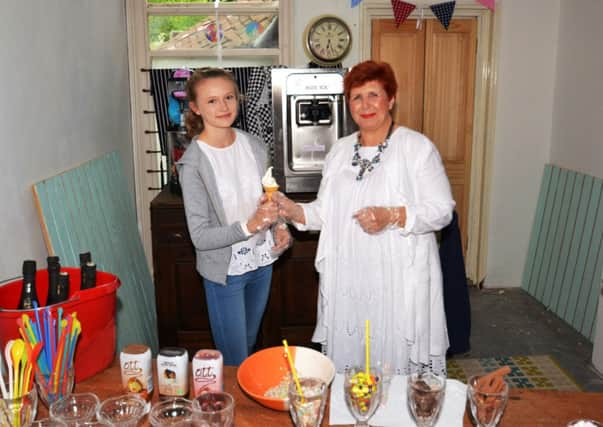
column 392, row 278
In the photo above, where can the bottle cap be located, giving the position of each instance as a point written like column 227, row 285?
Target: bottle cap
column 85, row 257
column 29, row 267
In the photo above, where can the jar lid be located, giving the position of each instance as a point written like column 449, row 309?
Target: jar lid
column 135, row 349
column 173, row 351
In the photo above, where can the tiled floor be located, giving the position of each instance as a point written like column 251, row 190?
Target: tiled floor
column 510, row 322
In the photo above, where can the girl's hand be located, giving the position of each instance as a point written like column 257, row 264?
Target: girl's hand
column 265, row 215
column 282, row 238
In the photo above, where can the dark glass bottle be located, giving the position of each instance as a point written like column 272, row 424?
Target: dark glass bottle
column 54, row 269
column 61, row 292
column 89, row 276
column 63, row 288
column 28, row 289
column 84, row 258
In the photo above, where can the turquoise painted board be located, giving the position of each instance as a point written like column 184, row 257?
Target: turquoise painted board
column 90, row 209
column 588, row 258
column 552, row 253
column 559, row 291
column 543, row 246
column 531, row 259
column 593, row 272
column 565, row 256
column 575, row 280
column 564, row 304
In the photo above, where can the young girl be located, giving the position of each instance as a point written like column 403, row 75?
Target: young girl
column 228, row 218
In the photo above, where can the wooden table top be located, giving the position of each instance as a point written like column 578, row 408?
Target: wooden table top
column 525, row 407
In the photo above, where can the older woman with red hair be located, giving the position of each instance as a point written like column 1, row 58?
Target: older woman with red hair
column 383, row 195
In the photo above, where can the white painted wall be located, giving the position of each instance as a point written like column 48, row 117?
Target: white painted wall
column 526, row 87
column 64, row 85
column 577, row 143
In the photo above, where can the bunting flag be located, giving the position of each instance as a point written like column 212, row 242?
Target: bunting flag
column 355, row 3
column 488, row 3
column 401, row 10
column 443, row 11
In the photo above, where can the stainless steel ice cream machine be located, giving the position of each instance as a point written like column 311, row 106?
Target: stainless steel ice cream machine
column 309, row 115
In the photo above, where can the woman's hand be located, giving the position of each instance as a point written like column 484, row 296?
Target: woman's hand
column 375, row 219
column 265, row 215
column 288, row 209
column 282, row 238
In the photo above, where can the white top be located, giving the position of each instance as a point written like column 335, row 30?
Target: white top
column 392, row 278
column 240, row 189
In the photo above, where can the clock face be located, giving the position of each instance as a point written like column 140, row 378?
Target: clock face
column 328, row 40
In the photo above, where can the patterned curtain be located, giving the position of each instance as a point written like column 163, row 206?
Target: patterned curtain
column 255, row 109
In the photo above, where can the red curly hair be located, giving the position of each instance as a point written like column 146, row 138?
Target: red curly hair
column 368, row 71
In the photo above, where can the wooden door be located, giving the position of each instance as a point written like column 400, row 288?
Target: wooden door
column 404, row 49
column 435, row 69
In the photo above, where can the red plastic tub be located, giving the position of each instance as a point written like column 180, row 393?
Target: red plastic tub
column 95, row 309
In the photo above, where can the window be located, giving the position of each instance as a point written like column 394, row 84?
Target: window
column 192, row 34
column 209, row 32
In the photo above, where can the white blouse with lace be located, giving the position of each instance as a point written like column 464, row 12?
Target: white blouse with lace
column 240, row 189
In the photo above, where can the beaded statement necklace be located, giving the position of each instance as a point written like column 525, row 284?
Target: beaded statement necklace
column 367, row 165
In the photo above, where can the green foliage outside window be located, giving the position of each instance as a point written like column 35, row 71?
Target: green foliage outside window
column 162, row 28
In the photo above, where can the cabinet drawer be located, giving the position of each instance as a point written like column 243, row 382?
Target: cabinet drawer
column 171, row 235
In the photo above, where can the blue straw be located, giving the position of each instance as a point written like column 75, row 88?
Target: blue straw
column 37, row 328
column 47, row 343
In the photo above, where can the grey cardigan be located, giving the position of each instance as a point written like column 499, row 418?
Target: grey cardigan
column 207, row 225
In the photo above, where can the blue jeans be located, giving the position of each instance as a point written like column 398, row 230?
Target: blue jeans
column 236, row 310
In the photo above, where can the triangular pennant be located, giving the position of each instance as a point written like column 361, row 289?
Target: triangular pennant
column 356, row 2
column 443, row 11
column 488, row 3
column 401, row 10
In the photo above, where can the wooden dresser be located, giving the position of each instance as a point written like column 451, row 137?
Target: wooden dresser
column 181, row 307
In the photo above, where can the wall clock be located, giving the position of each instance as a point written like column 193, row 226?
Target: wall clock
column 327, row 40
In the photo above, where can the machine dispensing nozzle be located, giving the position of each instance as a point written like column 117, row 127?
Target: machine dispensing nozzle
column 315, row 112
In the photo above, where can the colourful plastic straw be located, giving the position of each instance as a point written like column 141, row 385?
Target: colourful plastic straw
column 294, row 372
column 57, row 343
column 367, row 345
